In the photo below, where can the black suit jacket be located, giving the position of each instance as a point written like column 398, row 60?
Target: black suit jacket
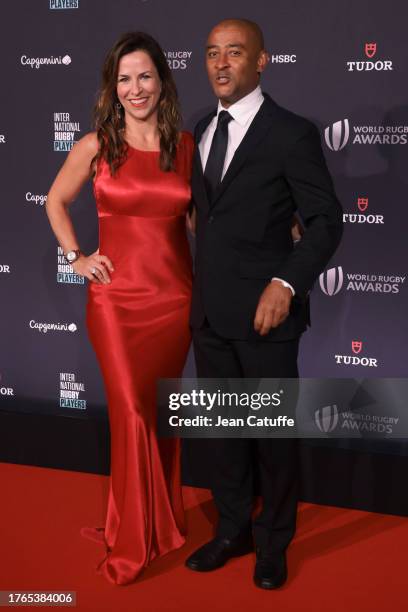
column 243, row 236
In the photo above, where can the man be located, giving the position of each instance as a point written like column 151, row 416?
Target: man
column 256, row 164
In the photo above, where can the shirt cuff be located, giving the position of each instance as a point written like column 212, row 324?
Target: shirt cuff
column 284, row 283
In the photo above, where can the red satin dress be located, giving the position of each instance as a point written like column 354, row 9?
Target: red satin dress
column 138, row 326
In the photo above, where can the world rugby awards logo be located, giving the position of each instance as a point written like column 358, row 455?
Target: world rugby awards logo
column 337, row 135
column 331, row 281
column 326, row 418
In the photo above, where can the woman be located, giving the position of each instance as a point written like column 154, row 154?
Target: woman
column 139, row 290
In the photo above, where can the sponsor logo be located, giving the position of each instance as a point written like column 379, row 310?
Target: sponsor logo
column 4, row 269
column 64, row 4
column 326, row 418
column 2, row 139
column 69, row 391
column 46, row 327
column 36, row 62
column 329, row 418
column 370, row 50
column 285, row 58
column 64, row 131
column 5, row 390
column 35, row 198
column 362, row 204
column 370, row 219
column 339, row 134
column 65, row 272
column 178, row 60
column 332, row 280
column 356, row 347
column 368, row 423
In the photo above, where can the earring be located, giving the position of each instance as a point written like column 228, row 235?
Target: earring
column 118, row 111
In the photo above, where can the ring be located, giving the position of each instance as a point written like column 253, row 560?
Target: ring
column 93, row 270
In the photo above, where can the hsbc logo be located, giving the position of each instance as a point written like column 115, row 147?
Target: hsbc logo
column 326, row 418
column 331, row 282
column 337, row 135
column 354, row 359
column 370, row 50
column 370, row 219
column 283, row 59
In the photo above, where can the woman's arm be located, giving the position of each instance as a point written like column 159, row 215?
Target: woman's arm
column 65, row 188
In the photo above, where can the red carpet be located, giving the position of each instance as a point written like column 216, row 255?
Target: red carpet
column 341, row 560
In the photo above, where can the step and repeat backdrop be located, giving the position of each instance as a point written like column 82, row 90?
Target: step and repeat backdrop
column 341, row 64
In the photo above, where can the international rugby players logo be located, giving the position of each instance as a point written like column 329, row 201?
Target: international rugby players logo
column 337, row 135
column 326, row 418
column 331, row 281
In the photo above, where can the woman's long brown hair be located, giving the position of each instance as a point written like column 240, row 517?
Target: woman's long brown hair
column 109, row 120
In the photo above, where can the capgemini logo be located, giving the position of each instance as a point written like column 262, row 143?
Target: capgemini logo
column 326, row 418
column 337, row 135
column 331, row 281
column 66, row 60
column 72, row 327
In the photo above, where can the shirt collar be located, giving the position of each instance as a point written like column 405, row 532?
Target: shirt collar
column 245, row 108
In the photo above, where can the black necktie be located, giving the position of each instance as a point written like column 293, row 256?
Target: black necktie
column 216, row 157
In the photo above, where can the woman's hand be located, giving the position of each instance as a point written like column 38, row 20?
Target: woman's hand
column 94, row 267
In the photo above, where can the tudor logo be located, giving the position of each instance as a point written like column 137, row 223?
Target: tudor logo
column 370, row 49
column 326, row 418
column 337, row 135
column 331, row 281
column 356, row 346
column 362, row 204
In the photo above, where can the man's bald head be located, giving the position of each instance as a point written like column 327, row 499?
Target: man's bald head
column 253, row 29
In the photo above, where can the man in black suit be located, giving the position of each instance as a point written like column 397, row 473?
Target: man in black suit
column 255, row 165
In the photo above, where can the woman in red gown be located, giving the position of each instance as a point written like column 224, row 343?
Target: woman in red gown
column 139, row 291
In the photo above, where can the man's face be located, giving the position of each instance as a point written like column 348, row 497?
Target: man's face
column 233, row 61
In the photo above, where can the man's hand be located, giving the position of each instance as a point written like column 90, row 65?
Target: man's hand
column 191, row 221
column 273, row 307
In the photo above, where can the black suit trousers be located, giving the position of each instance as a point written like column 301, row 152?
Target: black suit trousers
column 233, row 461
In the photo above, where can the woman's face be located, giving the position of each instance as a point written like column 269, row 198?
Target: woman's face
column 138, row 86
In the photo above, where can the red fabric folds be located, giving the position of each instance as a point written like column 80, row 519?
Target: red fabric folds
column 138, row 326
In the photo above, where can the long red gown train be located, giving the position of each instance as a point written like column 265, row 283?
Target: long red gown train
column 138, row 326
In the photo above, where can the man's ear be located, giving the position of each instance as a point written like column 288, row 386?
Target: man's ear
column 263, row 60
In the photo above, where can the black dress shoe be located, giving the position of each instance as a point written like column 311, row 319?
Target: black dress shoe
column 270, row 569
column 218, row 551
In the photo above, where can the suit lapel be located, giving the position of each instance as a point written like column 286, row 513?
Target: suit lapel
column 256, row 132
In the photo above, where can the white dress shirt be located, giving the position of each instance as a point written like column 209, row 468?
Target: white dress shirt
column 242, row 113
